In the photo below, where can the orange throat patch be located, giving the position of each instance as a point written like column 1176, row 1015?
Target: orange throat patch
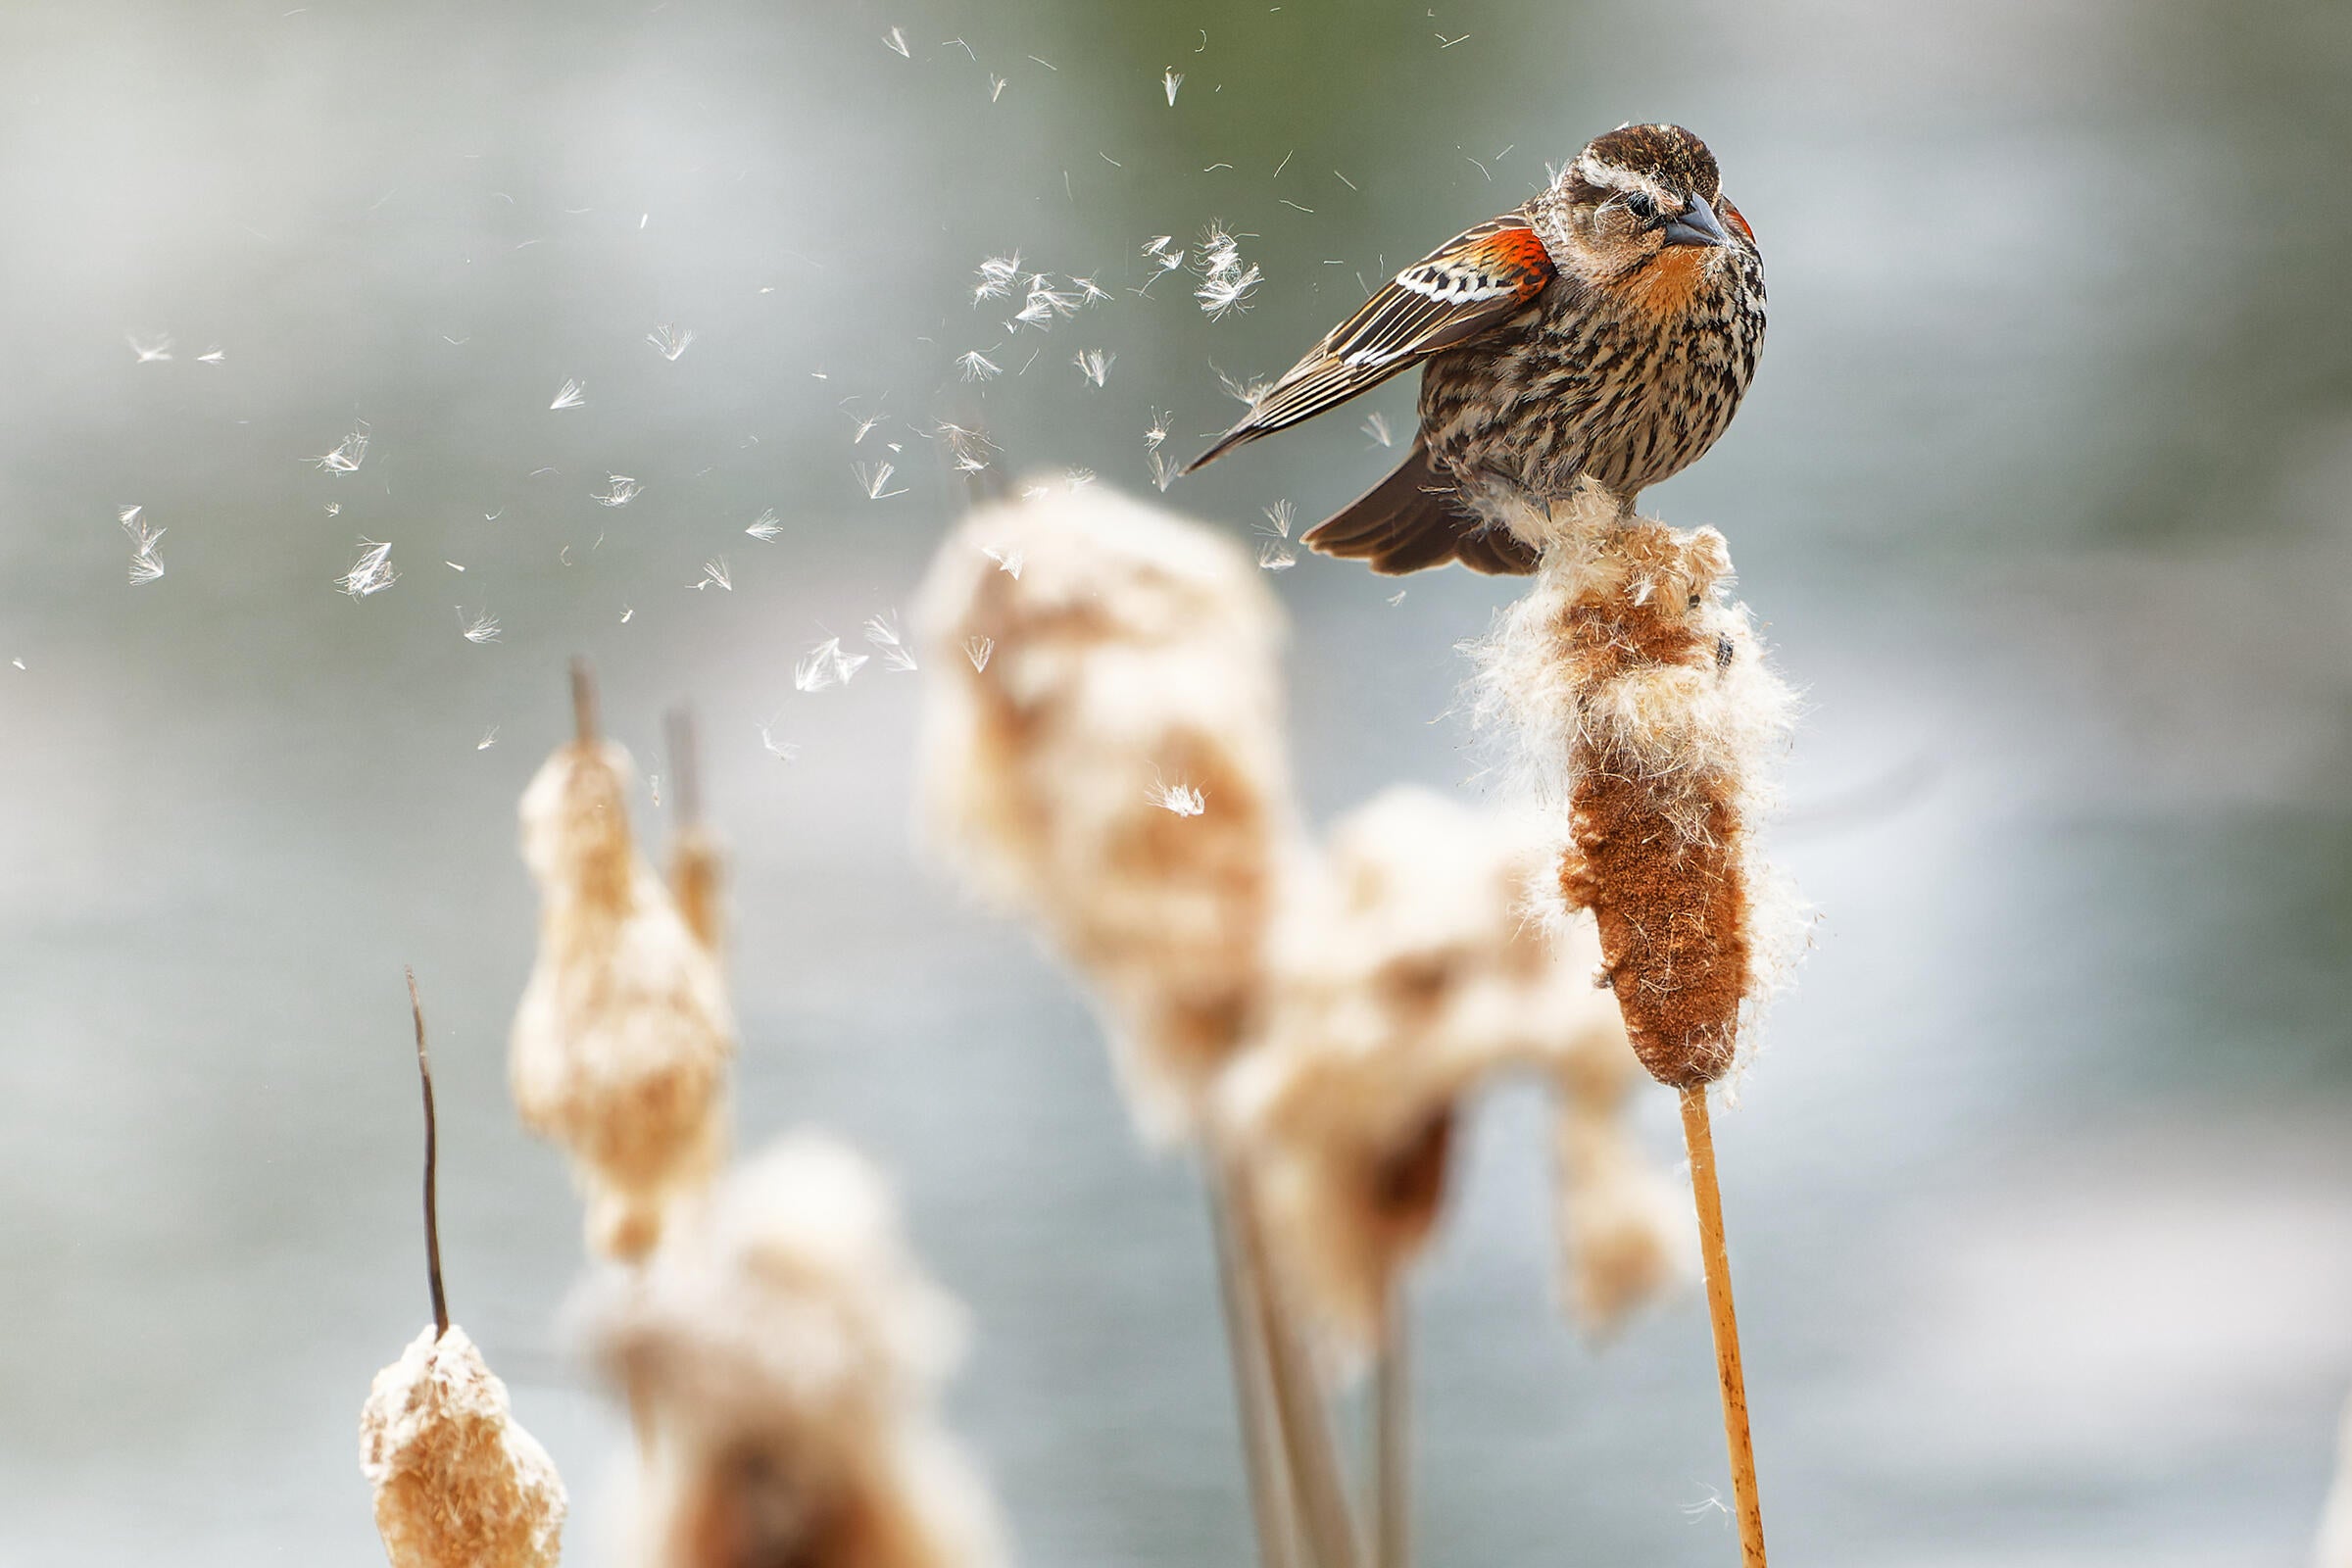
column 1670, row 282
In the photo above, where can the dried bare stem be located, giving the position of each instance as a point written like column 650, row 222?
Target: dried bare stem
column 1273, row 1510
column 1726, row 1323
column 1326, row 1521
column 432, row 1207
column 1392, row 1451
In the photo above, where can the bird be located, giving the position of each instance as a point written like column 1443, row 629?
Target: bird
column 1605, row 331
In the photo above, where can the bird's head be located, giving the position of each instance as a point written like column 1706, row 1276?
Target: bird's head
column 1636, row 195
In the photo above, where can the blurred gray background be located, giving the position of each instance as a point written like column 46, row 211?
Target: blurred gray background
column 2042, row 1194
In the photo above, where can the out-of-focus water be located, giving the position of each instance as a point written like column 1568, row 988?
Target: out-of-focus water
column 2043, row 1192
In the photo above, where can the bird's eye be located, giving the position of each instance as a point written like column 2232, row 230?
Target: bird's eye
column 1641, row 205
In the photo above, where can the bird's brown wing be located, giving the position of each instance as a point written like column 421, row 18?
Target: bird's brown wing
column 1471, row 284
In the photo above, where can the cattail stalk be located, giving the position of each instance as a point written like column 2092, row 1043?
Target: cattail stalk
column 432, row 1163
column 1273, row 1511
column 1319, row 1490
column 1724, row 1322
column 1392, row 1444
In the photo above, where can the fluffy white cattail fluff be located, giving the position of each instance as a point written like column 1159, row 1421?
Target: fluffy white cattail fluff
column 1112, row 770
column 782, row 1350
column 1652, row 726
column 1407, row 969
column 458, row 1482
column 621, row 1042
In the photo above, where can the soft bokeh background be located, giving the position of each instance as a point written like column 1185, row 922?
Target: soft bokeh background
column 2042, row 1194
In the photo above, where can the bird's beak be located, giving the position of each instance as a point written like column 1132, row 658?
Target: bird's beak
column 1698, row 225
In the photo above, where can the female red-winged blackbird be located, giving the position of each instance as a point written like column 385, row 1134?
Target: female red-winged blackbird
column 1606, row 329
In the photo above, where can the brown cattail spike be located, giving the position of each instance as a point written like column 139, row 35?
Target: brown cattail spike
column 1649, row 714
column 697, row 868
column 432, row 1207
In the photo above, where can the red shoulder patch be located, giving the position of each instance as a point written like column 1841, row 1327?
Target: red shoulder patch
column 1513, row 250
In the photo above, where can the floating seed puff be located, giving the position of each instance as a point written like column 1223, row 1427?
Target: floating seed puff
column 783, row 1351
column 458, row 1483
column 621, row 1041
column 1114, row 773
column 1647, row 714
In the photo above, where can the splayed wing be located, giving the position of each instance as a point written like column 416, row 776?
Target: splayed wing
column 1471, row 284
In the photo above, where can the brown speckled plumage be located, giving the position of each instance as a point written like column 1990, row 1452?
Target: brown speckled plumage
column 1608, row 328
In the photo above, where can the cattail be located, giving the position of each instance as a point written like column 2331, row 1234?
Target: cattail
column 621, row 1041
column 1114, row 769
column 783, row 1351
column 1101, row 755
column 458, row 1482
column 1646, row 712
column 1406, row 971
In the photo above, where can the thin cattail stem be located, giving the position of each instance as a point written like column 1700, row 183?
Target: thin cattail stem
column 1700, row 1138
column 432, row 1206
column 1327, row 1521
column 583, row 702
column 1392, row 1426
column 685, row 774
column 1271, row 1505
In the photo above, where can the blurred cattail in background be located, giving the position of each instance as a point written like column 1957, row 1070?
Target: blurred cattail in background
column 622, row 1038
column 1101, row 755
column 1408, row 969
column 1113, row 771
column 1652, row 725
column 457, row 1482
column 782, row 1351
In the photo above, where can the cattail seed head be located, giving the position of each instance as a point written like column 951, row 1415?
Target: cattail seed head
column 1653, row 725
column 1113, row 770
column 783, row 1352
column 622, row 1037
column 458, row 1482
column 1407, row 970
